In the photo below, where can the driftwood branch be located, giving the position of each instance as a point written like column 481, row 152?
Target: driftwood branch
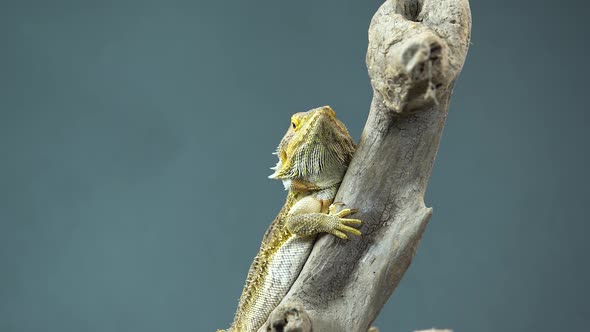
column 416, row 50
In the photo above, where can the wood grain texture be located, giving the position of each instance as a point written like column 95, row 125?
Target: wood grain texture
column 416, row 51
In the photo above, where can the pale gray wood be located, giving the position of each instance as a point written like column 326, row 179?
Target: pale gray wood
column 416, row 50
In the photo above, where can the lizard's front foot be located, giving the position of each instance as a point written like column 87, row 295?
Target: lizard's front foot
column 339, row 224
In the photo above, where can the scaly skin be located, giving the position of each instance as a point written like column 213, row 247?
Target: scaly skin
column 313, row 157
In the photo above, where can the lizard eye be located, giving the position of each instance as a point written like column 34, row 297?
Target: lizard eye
column 295, row 122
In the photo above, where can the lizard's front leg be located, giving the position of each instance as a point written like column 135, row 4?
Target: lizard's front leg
column 306, row 218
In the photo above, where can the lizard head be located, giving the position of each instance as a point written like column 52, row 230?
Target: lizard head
column 316, row 150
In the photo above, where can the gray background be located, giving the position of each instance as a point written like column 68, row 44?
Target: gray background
column 136, row 137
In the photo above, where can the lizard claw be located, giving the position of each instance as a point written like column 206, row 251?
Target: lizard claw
column 339, row 234
column 346, row 212
column 343, row 225
column 333, row 206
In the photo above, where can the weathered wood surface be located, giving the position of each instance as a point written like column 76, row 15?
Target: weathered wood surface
column 416, row 51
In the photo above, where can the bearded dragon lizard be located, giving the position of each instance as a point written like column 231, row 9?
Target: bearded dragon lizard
column 313, row 157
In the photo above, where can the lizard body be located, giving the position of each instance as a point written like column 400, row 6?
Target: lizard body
column 313, row 157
